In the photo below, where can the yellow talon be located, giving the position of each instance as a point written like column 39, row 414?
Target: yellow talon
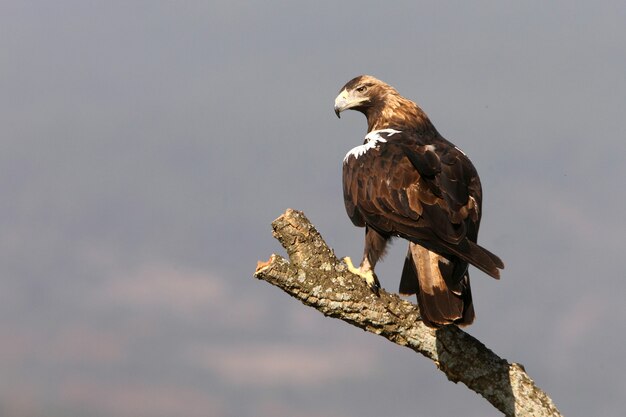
column 351, row 266
column 369, row 276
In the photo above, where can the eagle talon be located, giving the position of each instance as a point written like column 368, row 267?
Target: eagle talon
column 374, row 286
column 369, row 276
column 350, row 265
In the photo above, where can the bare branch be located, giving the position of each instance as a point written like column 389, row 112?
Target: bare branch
column 316, row 277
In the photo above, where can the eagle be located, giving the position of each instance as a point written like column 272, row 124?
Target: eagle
column 408, row 181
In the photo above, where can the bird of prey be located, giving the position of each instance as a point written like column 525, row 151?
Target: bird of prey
column 407, row 180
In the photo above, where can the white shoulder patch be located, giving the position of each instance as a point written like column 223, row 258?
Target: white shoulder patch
column 372, row 139
column 460, row 150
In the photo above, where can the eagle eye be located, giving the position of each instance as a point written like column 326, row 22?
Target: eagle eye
column 361, row 88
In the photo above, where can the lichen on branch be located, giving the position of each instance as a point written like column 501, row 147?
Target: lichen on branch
column 315, row 276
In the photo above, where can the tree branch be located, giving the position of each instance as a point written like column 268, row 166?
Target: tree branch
column 316, row 277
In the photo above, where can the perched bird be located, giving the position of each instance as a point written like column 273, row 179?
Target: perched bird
column 406, row 180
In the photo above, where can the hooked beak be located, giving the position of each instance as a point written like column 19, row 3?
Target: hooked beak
column 341, row 103
column 349, row 100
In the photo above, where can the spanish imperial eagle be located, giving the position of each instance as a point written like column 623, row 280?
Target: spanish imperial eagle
column 407, row 180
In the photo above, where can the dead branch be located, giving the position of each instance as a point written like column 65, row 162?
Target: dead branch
column 316, row 277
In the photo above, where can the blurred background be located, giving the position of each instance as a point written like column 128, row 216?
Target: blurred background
column 146, row 147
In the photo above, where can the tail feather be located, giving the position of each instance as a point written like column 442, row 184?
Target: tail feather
column 478, row 256
column 442, row 287
column 408, row 281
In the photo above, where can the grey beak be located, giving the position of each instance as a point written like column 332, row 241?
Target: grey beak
column 341, row 102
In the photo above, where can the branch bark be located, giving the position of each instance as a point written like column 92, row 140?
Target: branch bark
column 316, row 277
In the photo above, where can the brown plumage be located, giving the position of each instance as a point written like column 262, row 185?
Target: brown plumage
column 407, row 180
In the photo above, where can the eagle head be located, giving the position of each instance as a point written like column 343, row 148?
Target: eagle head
column 382, row 105
column 361, row 93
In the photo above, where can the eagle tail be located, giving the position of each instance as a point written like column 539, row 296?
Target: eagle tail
column 478, row 256
column 442, row 286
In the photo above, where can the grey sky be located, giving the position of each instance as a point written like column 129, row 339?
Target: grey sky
column 147, row 146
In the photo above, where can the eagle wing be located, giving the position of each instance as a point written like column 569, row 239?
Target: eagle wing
column 414, row 189
column 426, row 192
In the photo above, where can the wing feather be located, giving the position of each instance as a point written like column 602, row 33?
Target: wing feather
column 424, row 192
